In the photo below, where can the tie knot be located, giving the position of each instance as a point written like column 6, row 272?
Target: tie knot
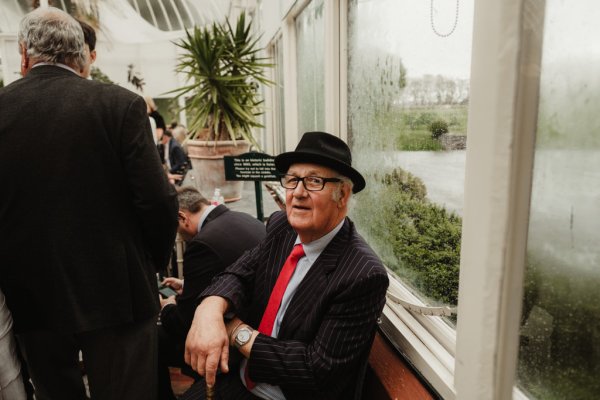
column 297, row 252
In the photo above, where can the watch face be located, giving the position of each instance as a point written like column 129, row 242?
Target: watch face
column 243, row 335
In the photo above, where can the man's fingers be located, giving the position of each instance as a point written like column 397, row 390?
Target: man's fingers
column 212, row 362
column 225, row 359
column 187, row 357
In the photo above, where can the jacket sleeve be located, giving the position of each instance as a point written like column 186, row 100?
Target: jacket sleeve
column 236, row 283
column 153, row 199
column 200, row 265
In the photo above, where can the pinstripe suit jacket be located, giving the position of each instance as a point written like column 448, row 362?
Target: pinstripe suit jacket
column 328, row 328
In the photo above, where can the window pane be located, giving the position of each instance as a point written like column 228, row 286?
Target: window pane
column 560, row 336
column 278, row 98
column 408, row 75
column 310, row 53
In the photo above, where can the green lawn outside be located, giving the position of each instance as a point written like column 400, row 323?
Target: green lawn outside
column 411, row 126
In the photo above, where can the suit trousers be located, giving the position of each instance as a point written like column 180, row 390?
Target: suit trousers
column 120, row 362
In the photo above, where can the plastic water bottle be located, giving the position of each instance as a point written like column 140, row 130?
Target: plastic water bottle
column 217, row 198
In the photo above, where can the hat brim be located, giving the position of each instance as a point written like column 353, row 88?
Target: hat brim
column 284, row 160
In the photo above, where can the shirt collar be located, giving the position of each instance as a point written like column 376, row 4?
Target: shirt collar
column 204, row 215
column 57, row 65
column 314, row 249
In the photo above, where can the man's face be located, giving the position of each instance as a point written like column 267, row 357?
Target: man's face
column 314, row 214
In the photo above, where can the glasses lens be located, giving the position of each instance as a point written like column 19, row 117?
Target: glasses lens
column 289, row 181
column 313, row 183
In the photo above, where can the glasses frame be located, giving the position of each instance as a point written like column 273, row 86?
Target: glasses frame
column 299, row 179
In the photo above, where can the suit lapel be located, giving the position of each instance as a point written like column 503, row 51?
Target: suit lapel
column 313, row 287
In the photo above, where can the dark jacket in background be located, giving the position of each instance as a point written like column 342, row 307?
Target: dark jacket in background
column 224, row 236
column 86, row 212
column 177, row 157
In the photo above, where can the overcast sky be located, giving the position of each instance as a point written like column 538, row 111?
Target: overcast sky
column 404, row 27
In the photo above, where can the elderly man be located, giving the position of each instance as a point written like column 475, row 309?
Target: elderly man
column 303, row 325
column 87, row 215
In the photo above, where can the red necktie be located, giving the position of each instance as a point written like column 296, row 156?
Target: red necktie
column 268, row 318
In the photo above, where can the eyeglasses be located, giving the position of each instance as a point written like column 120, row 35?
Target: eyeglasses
column 311, row 183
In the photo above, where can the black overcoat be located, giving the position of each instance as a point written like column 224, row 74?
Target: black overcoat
column 86, row 212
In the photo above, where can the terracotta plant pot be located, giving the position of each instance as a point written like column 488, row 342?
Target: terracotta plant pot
column 209, row 170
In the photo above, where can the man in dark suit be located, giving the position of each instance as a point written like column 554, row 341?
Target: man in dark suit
column 215, row 238
column 86, row 214
column 174, row 156
column 304, row 323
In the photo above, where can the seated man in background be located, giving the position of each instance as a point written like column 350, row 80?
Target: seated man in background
column 304, row 323
column 216, row 237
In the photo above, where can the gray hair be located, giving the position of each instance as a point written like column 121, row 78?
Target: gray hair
column 190, row 199
column 336, row 195
column 53, row 36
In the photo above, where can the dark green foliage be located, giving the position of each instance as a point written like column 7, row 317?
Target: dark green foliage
column 405, row 182
column 418, row 240
column 98, row 75
column 224, row 71
column 1, row 83
column 426, row 240
column 438, row 128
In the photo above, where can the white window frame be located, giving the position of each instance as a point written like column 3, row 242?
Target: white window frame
column 273, row 101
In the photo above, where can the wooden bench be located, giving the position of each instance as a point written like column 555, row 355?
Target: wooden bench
column 389, row 376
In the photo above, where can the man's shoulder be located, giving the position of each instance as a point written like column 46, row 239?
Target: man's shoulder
column 110, row 89
column 231, row 218
column 357, row 248
column 278, row 221
column 224, row 220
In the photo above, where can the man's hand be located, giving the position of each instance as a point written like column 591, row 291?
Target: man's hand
column 174, row 283
column 174, row 177
column 168, row 300
column 207, row 343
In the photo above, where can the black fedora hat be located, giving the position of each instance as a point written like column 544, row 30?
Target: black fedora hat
column 323, row 149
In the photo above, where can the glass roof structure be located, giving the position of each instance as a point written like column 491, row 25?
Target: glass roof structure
column 162, row 15
column 136, row 32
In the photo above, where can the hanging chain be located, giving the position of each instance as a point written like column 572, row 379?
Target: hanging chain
column 433, row 25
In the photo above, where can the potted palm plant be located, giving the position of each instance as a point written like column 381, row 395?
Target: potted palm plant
column 223, row 71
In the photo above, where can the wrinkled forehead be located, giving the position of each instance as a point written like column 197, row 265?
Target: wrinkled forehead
column 308, row 169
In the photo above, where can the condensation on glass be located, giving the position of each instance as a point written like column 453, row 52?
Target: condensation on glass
column 559, row 354
column 278, row 97
column 310, row 54
column 408, row 92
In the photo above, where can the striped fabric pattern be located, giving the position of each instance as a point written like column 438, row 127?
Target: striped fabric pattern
column 329, row 326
